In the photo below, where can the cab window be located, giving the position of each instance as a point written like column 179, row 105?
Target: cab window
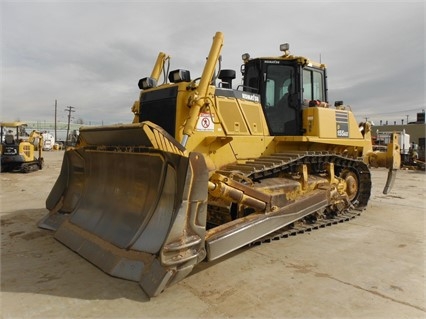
column 313, row 85
column 279, row 82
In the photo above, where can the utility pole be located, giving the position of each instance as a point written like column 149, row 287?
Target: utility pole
column 69, row 109
column 407, row 118
column 56, row 113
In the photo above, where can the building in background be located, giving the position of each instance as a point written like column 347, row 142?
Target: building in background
column 416, row 131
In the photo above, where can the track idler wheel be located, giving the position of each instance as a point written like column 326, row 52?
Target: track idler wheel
column 352, row 184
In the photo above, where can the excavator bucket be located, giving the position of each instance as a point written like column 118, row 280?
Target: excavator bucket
column 132, row 201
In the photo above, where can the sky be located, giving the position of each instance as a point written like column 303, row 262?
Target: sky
column 91, row 54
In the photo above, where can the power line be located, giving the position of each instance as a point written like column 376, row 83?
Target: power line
column 396, row 112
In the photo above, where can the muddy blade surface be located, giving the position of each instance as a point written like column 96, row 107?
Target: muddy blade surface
column 124, row 209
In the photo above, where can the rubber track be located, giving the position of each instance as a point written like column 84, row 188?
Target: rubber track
column 266, row 166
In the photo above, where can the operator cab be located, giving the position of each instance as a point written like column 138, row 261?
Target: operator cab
column 285, row 85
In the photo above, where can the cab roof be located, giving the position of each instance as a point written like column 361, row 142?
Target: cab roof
column 12, row 124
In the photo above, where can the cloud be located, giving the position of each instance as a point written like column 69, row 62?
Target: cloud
column 90, row 55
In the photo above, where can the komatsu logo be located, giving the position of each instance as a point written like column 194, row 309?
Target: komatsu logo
column 250, row 97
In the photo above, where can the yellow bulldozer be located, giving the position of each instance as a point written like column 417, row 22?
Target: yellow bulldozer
column 205, row 169
column 20, row 152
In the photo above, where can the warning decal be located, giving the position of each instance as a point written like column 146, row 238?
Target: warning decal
column 205, row 122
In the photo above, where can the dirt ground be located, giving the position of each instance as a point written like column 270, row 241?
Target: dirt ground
column 370, row 267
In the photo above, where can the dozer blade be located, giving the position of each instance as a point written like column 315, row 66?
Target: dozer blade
column 133, row 202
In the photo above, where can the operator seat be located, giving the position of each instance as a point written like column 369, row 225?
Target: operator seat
column 8, row 139
column 288, row 113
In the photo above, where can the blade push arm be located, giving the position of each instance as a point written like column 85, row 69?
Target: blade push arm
column 198, row 98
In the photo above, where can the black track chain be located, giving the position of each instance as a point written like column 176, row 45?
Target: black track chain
column 302, row 227
column 267, row 166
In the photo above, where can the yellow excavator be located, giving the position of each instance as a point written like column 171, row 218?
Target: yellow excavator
column 18, row 151
column 205, row 169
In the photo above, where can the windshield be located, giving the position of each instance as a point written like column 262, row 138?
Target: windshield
column 279, row 82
